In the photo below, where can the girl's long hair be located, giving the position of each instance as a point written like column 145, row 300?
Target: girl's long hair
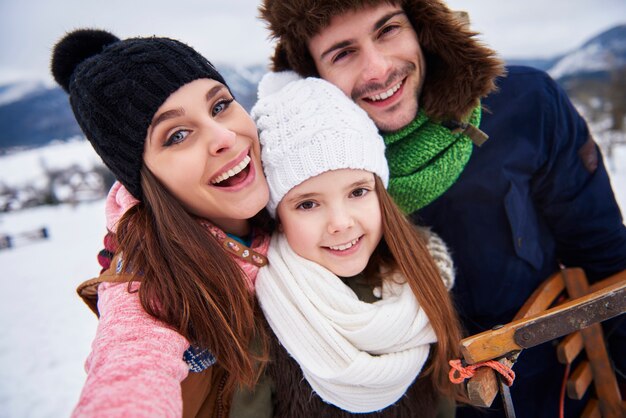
column 188, row 282
column 403, row 249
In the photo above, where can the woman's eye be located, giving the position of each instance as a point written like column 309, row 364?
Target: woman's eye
column 176, row 138
column 360, row 192
column 307, row 205
column 221, row 106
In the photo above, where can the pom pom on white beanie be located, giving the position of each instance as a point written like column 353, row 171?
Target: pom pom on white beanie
column 309, row 126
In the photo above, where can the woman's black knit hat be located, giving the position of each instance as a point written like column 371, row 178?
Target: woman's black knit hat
column 116, row 86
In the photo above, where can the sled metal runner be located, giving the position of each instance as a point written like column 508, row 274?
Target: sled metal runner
column 536, row 323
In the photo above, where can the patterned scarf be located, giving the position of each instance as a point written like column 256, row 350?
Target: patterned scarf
column 425, row 159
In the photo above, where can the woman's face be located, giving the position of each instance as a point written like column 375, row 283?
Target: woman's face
column 204, row 148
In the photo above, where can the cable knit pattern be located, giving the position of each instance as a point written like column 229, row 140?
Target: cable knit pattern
column 440, row 253
column 136, row 363
column 116, row 86
column 309, row 126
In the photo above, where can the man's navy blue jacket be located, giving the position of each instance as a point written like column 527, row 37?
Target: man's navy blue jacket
column 536, row 194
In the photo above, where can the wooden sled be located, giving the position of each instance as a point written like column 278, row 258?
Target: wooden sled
column 578, row 318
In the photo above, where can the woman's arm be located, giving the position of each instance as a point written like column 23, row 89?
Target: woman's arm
column 136, row 364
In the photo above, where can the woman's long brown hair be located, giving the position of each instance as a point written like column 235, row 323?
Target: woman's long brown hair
column 404, row 249
column 188, row 282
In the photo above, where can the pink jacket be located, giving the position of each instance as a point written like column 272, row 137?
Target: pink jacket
column 136, row 364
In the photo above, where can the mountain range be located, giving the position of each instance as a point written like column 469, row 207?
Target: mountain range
column 33, row 114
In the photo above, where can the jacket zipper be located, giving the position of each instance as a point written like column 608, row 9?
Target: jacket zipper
column 220, row 392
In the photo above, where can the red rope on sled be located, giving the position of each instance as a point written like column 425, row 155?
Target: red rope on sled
column 458, row 373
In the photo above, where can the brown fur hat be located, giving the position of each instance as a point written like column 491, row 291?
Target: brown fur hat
column 459, row 69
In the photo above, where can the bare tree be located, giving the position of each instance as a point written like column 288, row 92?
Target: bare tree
column 617, row 97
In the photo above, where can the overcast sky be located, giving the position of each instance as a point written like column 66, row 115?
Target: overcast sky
column 228, row 31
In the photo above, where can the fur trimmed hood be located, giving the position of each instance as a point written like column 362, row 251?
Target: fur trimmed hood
column 459, row 69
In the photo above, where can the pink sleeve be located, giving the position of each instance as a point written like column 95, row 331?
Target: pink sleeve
column 118, row 201
column 136, row 364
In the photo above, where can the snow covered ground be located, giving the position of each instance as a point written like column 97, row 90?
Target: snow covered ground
column 45, row 329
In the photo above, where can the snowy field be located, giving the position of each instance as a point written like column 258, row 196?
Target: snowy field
column 46, row 330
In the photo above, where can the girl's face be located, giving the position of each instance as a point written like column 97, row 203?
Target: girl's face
column 333, row 219
column 204, row 148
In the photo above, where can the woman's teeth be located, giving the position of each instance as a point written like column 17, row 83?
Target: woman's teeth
column 386, row 94
column 344, row 246
column 233, row 171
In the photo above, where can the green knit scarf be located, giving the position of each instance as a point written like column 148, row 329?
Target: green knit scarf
column 425, row 159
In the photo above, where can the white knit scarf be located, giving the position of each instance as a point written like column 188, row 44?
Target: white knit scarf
column 359, row 356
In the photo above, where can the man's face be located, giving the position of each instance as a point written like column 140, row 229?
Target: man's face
column 374, row 57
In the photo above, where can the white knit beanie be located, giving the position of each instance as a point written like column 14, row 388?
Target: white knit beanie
column 309, row 126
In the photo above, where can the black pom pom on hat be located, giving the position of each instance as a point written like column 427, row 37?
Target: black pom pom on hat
column 76, row 47
column 116, row 86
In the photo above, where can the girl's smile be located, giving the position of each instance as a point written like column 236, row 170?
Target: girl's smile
column 334, row 220
column 342, row 248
